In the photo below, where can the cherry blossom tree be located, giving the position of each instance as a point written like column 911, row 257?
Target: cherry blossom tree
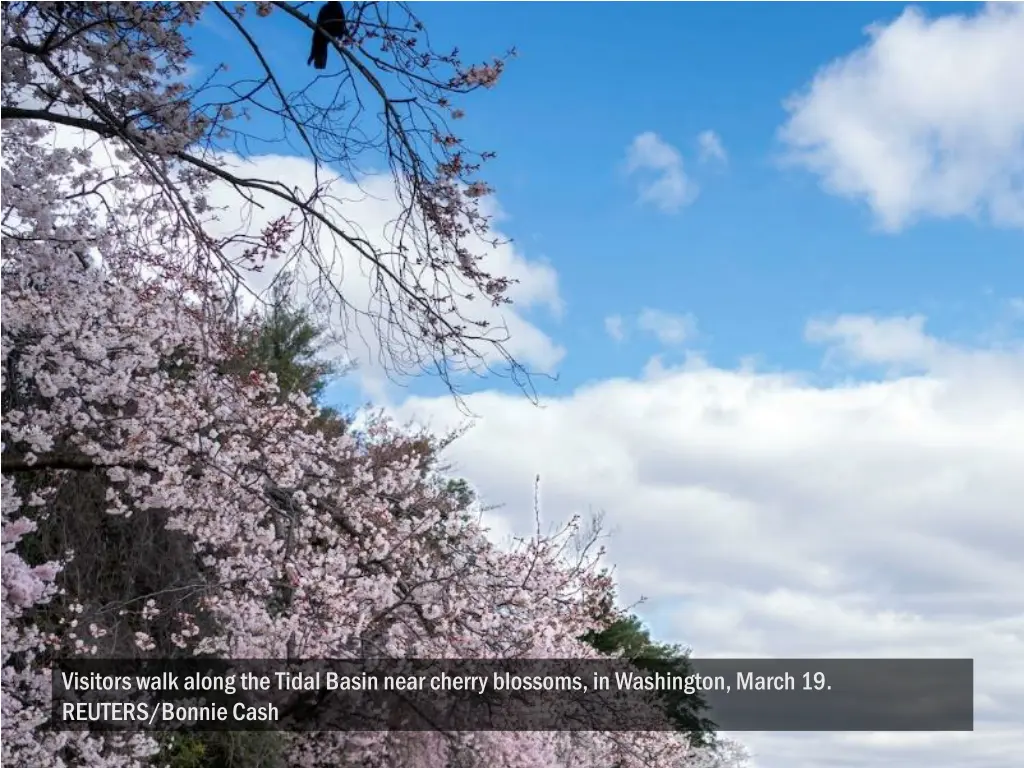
column 130, row 433
column 121, row 72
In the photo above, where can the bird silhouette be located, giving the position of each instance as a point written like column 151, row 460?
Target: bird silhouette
column 330, row 21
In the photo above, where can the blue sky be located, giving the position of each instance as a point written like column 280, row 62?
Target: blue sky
column 760, row 249
column 790, row 366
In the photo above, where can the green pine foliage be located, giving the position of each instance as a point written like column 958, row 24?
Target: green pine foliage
column 628, row 636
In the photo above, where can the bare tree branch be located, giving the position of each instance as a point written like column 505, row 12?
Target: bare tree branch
column 422, row 271
column 16, row 464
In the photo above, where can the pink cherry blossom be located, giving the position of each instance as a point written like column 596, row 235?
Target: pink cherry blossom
column 115, row 341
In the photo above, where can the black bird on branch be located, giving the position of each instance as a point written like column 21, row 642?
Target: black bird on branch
column 330, row 21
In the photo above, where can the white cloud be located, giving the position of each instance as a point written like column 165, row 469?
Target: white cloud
column 765, row 515
column 663, row 182
column 668, row 328
column 614, row 326
column 926, row 120
column 710, row 147
column 893, row 340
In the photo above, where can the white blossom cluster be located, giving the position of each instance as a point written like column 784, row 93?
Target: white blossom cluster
column 305, row 545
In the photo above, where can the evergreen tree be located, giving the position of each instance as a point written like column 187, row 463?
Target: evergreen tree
column 629, row 637
column 285, row 340
column 289, row 344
